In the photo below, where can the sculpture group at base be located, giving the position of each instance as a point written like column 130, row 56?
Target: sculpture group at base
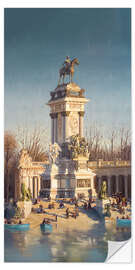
column 78, row 146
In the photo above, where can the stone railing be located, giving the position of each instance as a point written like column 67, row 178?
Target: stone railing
column 40, row 164
column 105, row 164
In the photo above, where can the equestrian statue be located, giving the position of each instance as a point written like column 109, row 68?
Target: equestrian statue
column 68, row 69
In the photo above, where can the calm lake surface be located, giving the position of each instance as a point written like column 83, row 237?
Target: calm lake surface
column 62, row 246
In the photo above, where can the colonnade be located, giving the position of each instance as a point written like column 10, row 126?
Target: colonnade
column 34, row 184
column 115, row 184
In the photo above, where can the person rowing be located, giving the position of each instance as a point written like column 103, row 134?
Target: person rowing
column 45, row 221
column 67, row 212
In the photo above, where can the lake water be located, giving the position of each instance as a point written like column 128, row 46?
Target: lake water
column 62, row 246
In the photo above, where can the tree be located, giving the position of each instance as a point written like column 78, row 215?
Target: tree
column 32, row 141
column 108, row 144
column 13, row 143
column 10, row 156
column 125, row 144
column 94, row 139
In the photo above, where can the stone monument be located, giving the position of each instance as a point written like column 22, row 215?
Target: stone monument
column 102, row 202
column 68, row 172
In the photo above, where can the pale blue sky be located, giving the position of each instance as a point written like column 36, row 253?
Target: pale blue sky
column 36, row 44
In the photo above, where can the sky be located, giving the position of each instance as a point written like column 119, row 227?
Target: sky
column 36, row 43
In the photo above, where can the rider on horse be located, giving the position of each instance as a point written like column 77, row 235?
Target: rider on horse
column 67, row 62
column 68, row 69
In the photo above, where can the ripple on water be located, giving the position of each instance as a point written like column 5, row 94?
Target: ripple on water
column 69, row 246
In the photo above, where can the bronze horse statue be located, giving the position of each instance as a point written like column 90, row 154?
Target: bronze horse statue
column 68, row 70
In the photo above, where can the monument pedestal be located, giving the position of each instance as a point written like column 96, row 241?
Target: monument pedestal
column 70, row 178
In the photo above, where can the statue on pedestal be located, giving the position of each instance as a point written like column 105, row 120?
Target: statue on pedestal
column 103, row 191
column 54, row 150
column 68, row 69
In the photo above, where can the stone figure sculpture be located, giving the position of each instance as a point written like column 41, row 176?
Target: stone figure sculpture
column 24, row 159
column 54, row 150
column 78, row 146
column 68, row 69
column 103, row 191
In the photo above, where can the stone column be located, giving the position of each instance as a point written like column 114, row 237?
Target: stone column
column 31, row 186
column 99, row 184
column 28, row 182
column 56, row 132
column 117, row 183
column 52, row 127
column 41, row 182
column 109, row 185
column 35, row 188
column 126, row 185
column 65, row 126
column 81, row 115
column 55, row 127
column 39, row 185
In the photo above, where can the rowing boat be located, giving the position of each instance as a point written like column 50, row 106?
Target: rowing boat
column 123, row 222
column 45, row 227
column 17, row 227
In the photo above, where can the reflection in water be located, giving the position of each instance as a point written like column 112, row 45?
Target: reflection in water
column 62, row 246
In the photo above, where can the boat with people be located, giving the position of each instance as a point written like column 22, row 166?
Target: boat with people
column 17, row 227
column 45, row 227
column 123, row 222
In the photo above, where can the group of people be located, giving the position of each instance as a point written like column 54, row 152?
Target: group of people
column 51, row 206
column 74, row 214
column 40, row 209
column 10, row 221
column 125, row 217
column 120, row 202
column 61, row 205
column 87, row 205
column 46, row 221
column 118, row 199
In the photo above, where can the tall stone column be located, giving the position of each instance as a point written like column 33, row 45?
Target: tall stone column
column 117, row 183
column 31, row 186
column 55, row 127
column 39, row 185
column 61, row 128
column 52, row 127
column 99, row 184
column 35, row 188
column 65, row 125
column 81, row 115
column 126, row 185
column 56, row 132
column 109, row 185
